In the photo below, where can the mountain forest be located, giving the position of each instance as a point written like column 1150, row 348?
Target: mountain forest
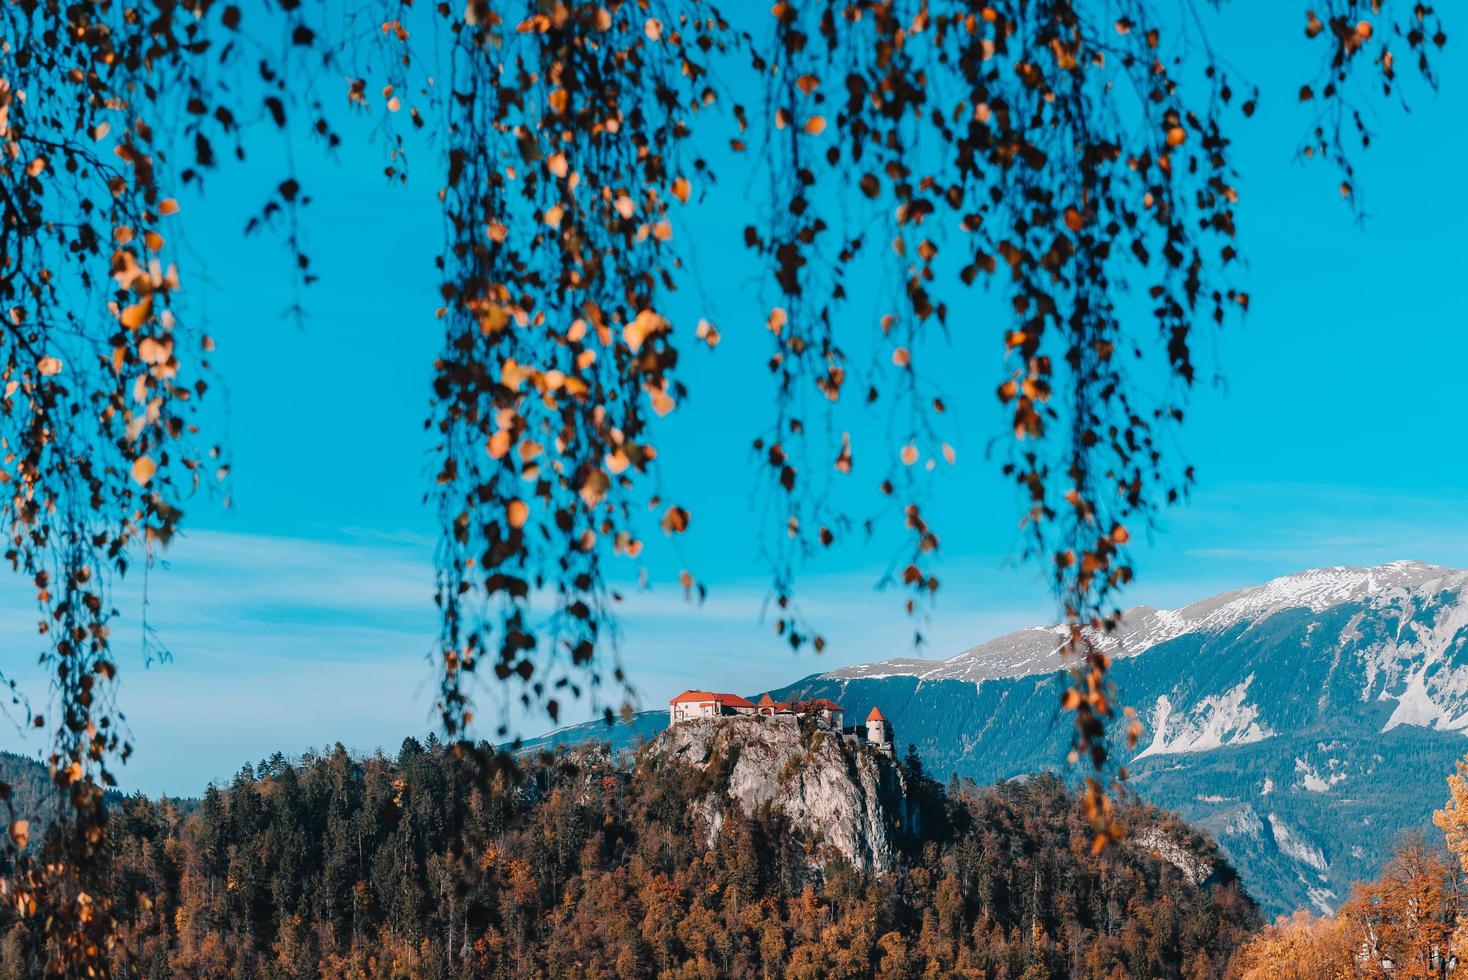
column 582, row 865
column 394, row 867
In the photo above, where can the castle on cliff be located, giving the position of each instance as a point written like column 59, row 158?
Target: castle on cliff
column 689, row 705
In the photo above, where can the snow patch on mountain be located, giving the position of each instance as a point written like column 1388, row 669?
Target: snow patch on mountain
column 1040, row 649
column 1314, row 781
column 1416, row 666
column 1292, row 844
column 1245, row 822
column 1216, row 720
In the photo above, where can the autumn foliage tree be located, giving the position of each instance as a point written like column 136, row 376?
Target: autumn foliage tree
column 1407, row 922
column 1057, row 152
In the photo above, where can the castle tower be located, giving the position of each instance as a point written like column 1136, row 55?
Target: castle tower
column 879, row 730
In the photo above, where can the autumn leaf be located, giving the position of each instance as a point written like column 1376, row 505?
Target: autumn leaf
column 646, row 324
column 675, row 520
column 134, row 316
column 143, row 469
column 49, row 365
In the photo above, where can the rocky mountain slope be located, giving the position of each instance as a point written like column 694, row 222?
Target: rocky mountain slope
column 852, row 797
column 1305, row 722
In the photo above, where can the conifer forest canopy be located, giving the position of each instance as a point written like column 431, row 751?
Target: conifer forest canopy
column 1059, row 154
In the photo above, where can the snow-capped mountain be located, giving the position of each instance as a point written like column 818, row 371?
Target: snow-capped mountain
column 1305, row 721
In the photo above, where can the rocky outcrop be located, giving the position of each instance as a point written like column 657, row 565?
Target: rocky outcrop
column 1196, row 866
column 850, row 796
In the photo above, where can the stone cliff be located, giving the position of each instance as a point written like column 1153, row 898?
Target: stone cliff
column 852, row 797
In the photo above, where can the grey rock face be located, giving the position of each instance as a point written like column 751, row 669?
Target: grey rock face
column 1304, row 722
column 850, row 796
column 1193, row 865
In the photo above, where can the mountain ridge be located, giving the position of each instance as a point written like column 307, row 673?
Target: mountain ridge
column 1304, row 721
column 1037, row 649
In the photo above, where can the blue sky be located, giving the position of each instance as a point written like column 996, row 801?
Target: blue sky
column 302, row 613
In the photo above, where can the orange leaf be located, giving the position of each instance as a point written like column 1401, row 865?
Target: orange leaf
column 136, row 315
column 499, row 443
column 143, row 470
column 675, row 521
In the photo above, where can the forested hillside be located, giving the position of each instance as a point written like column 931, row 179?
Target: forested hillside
column 395, row 867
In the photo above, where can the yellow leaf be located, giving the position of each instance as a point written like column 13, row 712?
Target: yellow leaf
column 49, row 365
column 901, row 357
column 815, row 125
column 143, row 470
column 168, row 206
column 518, row 512
column 20, row 832
column 1176, row 135
column 653, row 29
column 681, row 189
column 909, row 454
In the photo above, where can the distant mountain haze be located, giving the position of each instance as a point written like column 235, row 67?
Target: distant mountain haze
column 1305, row 722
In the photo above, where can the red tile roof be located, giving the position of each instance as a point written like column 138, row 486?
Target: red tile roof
column 728, row 700
column 876, row 715
column 694, row 696
column 766, row 702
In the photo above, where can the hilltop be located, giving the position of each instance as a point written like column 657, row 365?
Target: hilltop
column 729, row 848
column 1305, row 722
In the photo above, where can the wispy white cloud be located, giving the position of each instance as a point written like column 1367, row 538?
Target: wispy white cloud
column 284, row 643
